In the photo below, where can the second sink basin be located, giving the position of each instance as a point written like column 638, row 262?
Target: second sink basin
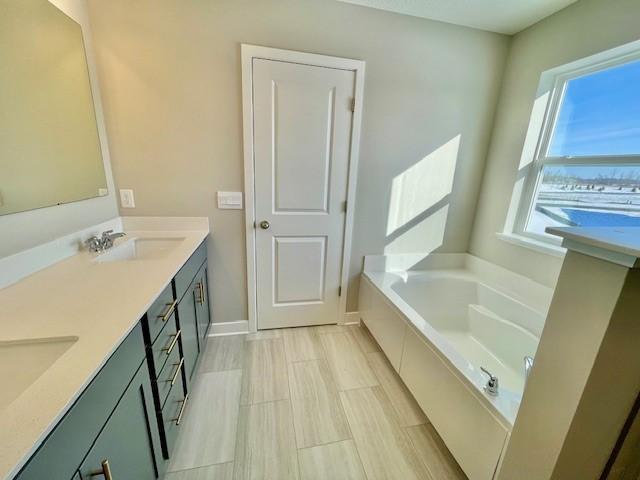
column 140, row 249
column 23, row 361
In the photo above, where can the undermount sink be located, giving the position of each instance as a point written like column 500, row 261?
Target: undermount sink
column 140, row 249
column 22, row 362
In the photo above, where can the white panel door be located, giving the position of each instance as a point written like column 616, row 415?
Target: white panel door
column 302, row 133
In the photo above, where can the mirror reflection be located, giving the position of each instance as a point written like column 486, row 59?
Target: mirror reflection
column 49, row 145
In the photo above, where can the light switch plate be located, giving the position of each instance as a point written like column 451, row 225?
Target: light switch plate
column 230, row 200
column 127, row 200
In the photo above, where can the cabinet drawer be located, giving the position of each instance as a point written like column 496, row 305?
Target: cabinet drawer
column 184, row 277
column 172, row 415
column 170, row 375
column 61, row 453
column 166, row 343
column 160, row 312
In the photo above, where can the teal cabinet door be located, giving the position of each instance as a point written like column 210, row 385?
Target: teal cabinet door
column 126, row 447
column 187, row 320
column 202, row 305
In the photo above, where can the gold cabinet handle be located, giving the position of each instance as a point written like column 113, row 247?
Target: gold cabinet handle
column 200, row 293
column 172, row 345
column 167, row 314
column 105, row 472
column 178, row 419
column 175, row 375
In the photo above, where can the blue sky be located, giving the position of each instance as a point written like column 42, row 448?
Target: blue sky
column 600, row 114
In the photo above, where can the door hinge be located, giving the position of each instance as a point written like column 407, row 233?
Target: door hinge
column 353, row 104
column 344, row 206
column 340, row 291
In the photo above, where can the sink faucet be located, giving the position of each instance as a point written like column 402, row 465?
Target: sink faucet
column 105, row 242
column 492, row 384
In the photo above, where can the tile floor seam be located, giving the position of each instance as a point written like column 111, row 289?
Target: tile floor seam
column 199, row 467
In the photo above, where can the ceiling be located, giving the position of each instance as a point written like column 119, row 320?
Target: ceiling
column 502, row 16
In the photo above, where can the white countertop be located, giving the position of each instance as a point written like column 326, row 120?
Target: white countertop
column 619, row 245
column 99, row 303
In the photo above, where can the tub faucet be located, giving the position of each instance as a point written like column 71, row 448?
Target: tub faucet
column 491, row 386
column 528, row 365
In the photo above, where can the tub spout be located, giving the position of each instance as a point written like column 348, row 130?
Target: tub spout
column 528, row 365
column 492, row 384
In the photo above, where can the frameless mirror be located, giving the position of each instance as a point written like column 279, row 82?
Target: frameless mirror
column 49, row 146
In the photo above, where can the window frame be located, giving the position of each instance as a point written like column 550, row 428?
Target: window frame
column 554, row 82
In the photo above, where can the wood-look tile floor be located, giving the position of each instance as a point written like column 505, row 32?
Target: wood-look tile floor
column 306, row 403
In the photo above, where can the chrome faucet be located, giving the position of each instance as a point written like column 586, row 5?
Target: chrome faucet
column 492, row 384
column 105, row 242
column 528, row 365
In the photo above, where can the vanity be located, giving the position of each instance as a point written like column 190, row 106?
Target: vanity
column 104, row 357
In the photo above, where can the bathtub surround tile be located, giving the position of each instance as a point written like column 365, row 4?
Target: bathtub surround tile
column 223, row 353
column 347, row 362
column 383, row 446
column 407, row 410
column 364, row 338
column 263, row 335
column 265, row 373
column 317, row 413
column 302, row 344
column 434, row 453
column 209, row 431
column 266, row 447
column 335, row 461
column 222, row 471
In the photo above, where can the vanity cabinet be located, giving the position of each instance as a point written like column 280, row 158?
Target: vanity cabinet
column 124, row 448
column 193, row 308
column 189, row 327
column 123, row 377
column 127, row 419
column 202, row 304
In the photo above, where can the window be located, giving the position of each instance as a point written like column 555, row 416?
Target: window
column 586, row 166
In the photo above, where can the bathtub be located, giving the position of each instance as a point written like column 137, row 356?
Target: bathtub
column 438, row 319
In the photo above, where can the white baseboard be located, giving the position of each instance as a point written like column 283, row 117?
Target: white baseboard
column 352, row 318
column 229, row 328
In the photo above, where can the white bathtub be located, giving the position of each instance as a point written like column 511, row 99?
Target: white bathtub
column 442, row 319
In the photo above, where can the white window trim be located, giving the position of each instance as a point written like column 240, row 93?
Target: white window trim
column 534, row 156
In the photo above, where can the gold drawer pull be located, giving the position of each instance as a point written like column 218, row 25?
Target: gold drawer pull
column 105, row 472
column 171, row 346
column 175, row 375
column 178, row 419
column 167, row 314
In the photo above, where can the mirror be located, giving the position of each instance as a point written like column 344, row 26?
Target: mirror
column 49, row 146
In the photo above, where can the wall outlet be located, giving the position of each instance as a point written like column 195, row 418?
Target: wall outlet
column 127, row 199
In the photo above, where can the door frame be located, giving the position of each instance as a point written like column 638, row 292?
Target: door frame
column 248, row 53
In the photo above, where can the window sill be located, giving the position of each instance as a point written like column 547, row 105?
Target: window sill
column 526, row 242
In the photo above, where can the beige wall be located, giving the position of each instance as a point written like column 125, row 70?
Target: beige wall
column 21, row 231
column 585, row 28
column 171, row 75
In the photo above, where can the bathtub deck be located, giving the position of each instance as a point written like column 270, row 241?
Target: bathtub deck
column 305, row 403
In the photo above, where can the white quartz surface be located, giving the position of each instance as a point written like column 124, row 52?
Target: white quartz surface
column 616, row 244
column 99, row 303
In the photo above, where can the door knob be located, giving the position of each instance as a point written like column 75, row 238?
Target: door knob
column 264, row 225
